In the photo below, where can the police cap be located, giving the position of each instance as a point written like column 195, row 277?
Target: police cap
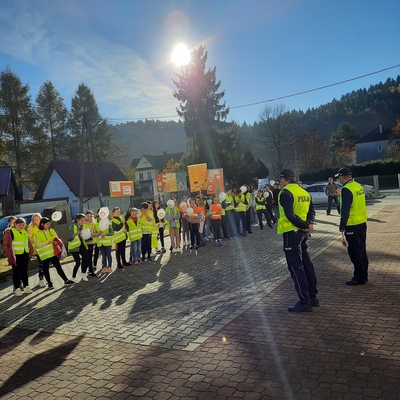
column 343, row 172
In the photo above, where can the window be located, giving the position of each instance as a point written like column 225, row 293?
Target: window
column 140, row 176
column 379, row 149
column 149, row 175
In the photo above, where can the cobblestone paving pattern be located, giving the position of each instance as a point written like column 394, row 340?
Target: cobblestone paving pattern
column 122, row 336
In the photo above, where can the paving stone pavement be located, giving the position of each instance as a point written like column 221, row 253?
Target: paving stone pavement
column 213, row 324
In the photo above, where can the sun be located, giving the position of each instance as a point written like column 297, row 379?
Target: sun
column 181, row 55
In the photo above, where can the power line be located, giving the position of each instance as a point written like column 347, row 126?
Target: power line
column 281, row 97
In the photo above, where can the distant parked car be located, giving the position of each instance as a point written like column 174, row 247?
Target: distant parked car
column 4, row 222
column 317, row 191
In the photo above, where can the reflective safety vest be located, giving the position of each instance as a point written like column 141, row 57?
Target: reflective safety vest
column 104, row 241
column 260, row 203
column 119, row 235
column 76, row 241
column 215, row 208
column 92, row 228
column 33, row 228
column 223, row 209
column 134, row 229
column 20, row 243
column 228, row 200
column 301, row 205
column 358, row 208
column 241, row 207
column 177, row 221
column 46, row 251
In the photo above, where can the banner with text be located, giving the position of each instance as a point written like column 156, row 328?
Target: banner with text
column 121, row 188
column 215, row 181
column 170, row 182
column 197, row 177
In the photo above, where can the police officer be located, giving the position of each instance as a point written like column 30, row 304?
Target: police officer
column 353, row 222
column 296, row 221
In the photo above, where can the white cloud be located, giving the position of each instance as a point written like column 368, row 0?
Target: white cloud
column 122, row 82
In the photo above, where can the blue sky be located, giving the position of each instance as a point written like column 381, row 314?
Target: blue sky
column 262, row 49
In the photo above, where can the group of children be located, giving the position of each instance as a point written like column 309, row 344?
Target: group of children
column 189, row 223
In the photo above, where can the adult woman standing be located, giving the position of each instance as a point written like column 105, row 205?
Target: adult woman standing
column 78, row 248
column 18, row 251
column 44, row 238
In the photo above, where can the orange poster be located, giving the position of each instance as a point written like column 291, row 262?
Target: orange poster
column 121, row 188
column 215, row 181
column 197, row 177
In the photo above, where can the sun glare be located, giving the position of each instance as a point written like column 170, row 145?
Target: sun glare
column 181, row 55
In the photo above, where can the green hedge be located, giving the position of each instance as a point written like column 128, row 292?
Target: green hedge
column 387, row 167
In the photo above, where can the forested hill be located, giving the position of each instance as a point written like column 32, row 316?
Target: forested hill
column 363, row 109
column 152, row 137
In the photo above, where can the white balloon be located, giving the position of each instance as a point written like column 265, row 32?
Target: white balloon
column 86, row 234
column 243, row 189
column 266, row 195
column 222, row 196
column 56, row 216
column 272, row 182
column 188, row 202
column 104, row 224
column 189, row 211
column 161, row 213
column 209, row 202
column 183, row 205
column 104, row 212
column 170, row 203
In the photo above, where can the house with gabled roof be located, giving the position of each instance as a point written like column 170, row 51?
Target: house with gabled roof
column 148, row 166
column 9, row 192
column 373, row 145
column 62, row 179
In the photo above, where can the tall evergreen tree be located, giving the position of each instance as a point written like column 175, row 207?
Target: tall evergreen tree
column 200, row 105
column 52, row 116
column 17, row 123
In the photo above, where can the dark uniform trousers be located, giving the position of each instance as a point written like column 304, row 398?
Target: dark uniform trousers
column 356, row 236
column 300, row 265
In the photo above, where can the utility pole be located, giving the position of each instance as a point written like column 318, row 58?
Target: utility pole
column 96, row 169
column 82, row 172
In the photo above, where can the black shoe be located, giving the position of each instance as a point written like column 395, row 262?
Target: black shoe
column 298, row 307
column 271, row 226
column 127, row 264
column 354, row 282
column 250, row 232
column 314, row 302
column 68, row 282
column 92, row 275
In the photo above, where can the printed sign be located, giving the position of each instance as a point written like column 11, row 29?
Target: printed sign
column 197, row 177
column 170, row 182
column 181, row 181
column 121, row 188
column 262, row 183
column 215, row 181
column 161, row 183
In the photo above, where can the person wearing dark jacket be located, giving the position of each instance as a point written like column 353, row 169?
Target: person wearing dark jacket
column 353, row 222
column 295, row 222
